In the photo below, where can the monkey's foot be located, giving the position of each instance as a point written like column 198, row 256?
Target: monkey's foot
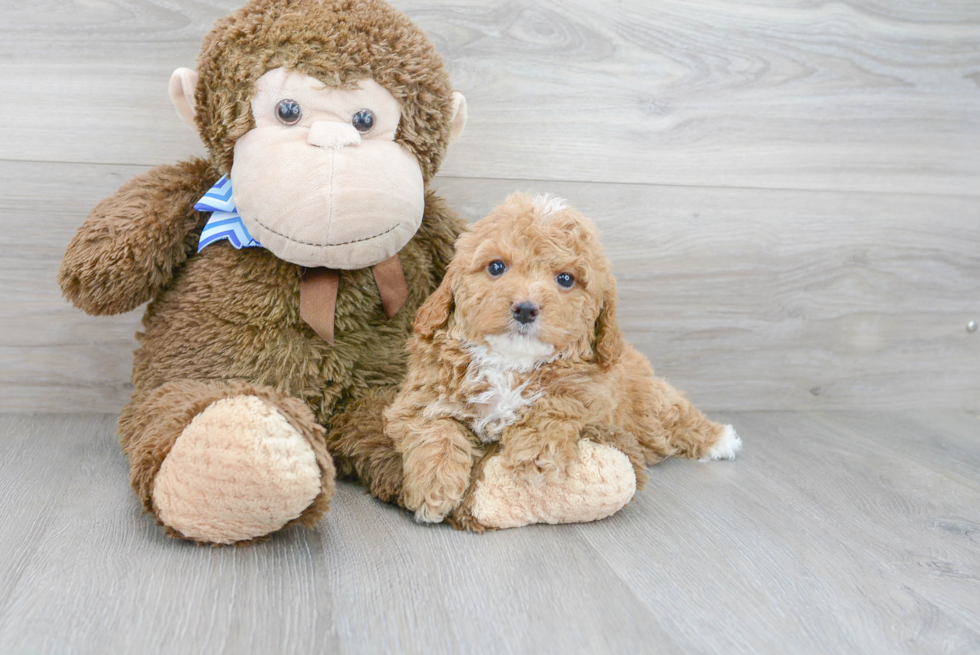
column 596, row 485
column 238, row 471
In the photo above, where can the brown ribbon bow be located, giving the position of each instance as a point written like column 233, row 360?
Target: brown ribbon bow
column 318, row 294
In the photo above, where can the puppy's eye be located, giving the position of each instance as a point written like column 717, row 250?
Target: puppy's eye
column 288, row 112
column 363, row 121
column 565, row 280
column 496, row 268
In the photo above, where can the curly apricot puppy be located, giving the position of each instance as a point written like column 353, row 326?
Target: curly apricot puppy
column 520, row 345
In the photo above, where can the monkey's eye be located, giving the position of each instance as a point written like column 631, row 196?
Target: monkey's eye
column 288, row 112
column 496, row 268
column 363, row 121
column 565, row 280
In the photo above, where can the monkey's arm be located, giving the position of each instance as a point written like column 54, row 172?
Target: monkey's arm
column 133, row 242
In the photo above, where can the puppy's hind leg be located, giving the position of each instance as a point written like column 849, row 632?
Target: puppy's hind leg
column 725, row 448
column 675, row 427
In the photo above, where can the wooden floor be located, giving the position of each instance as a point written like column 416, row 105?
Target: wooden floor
column 788, row 192
column 831, row 533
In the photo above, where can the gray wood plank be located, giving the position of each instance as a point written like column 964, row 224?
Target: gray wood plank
column 853, row 95
column 367, row 581
column 832, row 532
column 39, row 462
column 944, row 443
column 107, row 580
column 822, row 537
column 747, row 298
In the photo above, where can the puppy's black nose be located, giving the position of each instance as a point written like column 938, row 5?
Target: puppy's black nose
column 525, row 312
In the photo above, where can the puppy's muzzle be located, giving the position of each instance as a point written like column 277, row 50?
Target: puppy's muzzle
column 524, row 312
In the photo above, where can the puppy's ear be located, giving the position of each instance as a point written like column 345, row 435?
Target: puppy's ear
column 434, row 312
column 609, row 343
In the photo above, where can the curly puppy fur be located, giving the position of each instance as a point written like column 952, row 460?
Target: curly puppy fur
column 478, row 376
column 224, row 322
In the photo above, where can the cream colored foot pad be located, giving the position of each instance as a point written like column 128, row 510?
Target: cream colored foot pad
column 237, row 472
column 597, row 485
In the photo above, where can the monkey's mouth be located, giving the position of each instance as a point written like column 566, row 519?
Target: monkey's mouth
column 337, row 220
column 325, row 245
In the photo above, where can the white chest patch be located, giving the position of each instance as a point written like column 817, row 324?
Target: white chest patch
column 495, row 368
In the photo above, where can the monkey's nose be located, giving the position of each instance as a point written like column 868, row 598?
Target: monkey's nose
column 524, row 312
column 331, row 134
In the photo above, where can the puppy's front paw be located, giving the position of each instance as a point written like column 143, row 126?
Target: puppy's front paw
column 434, row 495
column 726, row 446
column 531, row 471
column 545, row 464
column 435, row 511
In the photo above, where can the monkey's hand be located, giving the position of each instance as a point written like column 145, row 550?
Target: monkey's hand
column 133, row 242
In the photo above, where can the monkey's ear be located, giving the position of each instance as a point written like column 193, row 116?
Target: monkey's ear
column 434, row 312
column 182, row 85
column 459, row 116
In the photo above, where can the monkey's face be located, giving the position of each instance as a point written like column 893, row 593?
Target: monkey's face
column 320, row 179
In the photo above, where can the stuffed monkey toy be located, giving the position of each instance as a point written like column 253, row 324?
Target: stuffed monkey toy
column 283, row 271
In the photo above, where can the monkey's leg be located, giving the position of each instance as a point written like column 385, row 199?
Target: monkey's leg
column 599, row 482
column 224, row 462
column 623, row 441
column 361, row 449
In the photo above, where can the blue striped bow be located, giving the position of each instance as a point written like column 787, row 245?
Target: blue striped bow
column 225, row 223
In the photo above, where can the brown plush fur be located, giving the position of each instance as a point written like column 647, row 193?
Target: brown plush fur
column 134, row 242
column 362, row 451
column 367, row 39
column 148, row 430
column 224, row 322
column 592, row 384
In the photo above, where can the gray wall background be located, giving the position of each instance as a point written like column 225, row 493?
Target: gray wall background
column 789, row 191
